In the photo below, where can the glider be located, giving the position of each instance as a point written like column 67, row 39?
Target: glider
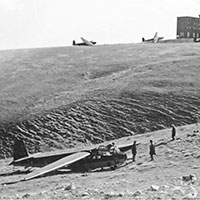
column 75, row 160
column 155, row 39
column 84, row 43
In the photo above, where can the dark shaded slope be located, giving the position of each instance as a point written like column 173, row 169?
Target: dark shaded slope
column 98, row 120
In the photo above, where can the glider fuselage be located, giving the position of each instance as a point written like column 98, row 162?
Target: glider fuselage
column 93, row 161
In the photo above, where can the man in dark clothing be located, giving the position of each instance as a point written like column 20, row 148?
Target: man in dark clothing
column 134, row 150
column 173, row 132
column 152, row 150
column 197, row 119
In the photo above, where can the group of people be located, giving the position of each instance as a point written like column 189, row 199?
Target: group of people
column 152, row 151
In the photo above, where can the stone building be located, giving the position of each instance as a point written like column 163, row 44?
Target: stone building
column 188, row 27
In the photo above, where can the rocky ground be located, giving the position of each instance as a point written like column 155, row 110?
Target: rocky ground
column 167, row 177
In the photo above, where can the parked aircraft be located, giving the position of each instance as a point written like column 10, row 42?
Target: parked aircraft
column 155, row 39
column 84, row 43
column 79, row 160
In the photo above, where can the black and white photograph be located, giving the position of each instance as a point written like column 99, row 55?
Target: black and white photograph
column 99, row 99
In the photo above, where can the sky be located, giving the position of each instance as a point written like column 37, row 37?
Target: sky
column 49, row 23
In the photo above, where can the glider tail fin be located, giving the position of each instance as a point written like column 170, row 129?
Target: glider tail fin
column 74, row 43
column 19, row 150
column 143, row 40
column 156, row 35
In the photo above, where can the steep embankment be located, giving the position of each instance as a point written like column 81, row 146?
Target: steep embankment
column 60, row 97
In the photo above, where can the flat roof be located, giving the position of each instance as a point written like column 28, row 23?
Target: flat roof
column 189, row 17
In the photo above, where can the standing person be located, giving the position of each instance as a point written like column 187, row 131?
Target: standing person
column 151, row 150
column 197, row 119
column 134, row 150
column 173, row 132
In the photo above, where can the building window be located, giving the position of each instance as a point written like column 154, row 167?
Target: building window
column 193, row 35
column 197, row 35
column 188, row 34
column 181, row 34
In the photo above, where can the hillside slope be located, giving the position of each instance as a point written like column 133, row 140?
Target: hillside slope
column 61, row 97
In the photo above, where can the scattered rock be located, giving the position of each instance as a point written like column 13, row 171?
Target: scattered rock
column 173, row 163
column 93, row 191
column 42, row 193
column 58, row 188
column 84, row 194
column 113, row 194
column 17, row 197
column 66, row 195
column 70, row 187
column 192, row 193
column 169, row 151
column 187, row 154
column 164, row 187
column 132, row 167
column 191, row 135
column 154, row 188
column 137, row 193
column 195, row 167
column 177, row 191
column 26, row 195
column 85, row 174
column 121, row 194
column 198, row 156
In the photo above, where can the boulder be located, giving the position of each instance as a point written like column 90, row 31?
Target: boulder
column 190, row 178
